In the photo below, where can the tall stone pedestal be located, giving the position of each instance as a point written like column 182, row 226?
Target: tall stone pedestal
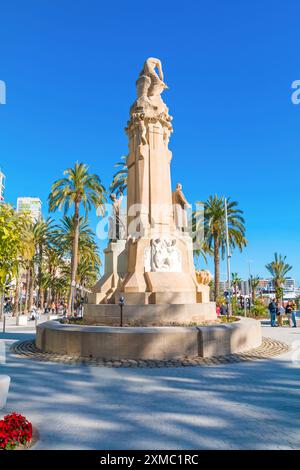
column 155, row 266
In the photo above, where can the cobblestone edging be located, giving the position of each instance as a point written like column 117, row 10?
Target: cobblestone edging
column 268, row 348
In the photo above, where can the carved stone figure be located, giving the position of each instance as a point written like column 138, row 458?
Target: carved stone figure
column 165, row 257
column 143, row 130
column 203, row 277
column 180, row 204
column 150, row 84
column 174, row 256
column 116, row 226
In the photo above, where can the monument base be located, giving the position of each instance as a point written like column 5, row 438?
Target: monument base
column 150, row 315
column 158, row 343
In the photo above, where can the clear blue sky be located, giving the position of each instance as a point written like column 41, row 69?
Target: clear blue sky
column 70, row 69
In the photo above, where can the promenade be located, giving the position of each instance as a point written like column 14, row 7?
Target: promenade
column 247, row 405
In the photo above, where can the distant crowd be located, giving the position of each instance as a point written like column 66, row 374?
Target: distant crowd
column 278, row 310
column 54, row 308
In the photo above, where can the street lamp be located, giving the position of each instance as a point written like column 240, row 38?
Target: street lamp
column 121, row 304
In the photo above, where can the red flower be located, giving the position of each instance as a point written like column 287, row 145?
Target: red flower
column 15, row 430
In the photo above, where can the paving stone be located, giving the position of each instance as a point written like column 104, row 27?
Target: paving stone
column 269, row 348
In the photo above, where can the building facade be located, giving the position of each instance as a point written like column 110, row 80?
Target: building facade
column 32, row 205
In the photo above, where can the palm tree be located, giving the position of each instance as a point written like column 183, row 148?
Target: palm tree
column 54, row 266
column 235, row 281
column 88, row 251
column 63, row 235
column 27, row 258
column 278, row 269
column 214, row 231
column 25, row 254
column 119, row 182
column 42, row 232
column 201, row 249
column 78, row 188
column 254, row 281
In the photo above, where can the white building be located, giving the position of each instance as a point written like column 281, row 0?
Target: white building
column 32, row 205
column 289, row 284
column 2, row 185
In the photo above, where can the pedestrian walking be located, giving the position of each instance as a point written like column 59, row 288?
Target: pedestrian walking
column 290, row 310
column 279, row 313
column 273, row 310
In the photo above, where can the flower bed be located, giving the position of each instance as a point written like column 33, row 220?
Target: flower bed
column 15, row 432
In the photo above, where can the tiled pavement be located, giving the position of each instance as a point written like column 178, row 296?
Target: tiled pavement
column 253, row 404
column 269, row 347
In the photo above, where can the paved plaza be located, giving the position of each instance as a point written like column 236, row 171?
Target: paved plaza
column 243, row 405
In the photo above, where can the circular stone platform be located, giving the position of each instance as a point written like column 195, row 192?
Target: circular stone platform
column 148, row 343
column 268, row 348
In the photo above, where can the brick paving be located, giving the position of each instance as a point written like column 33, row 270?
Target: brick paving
column 269, row 347
column 248, row 404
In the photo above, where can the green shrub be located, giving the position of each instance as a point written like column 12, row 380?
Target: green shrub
column 258, row 309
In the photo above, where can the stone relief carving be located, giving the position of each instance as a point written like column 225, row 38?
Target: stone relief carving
column 203, row 277
column 143, row 130
column 163, row 256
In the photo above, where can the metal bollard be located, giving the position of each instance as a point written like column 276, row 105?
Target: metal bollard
column 121, row 304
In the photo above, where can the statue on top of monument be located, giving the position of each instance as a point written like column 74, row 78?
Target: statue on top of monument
column 180, row 204
column 116, row 226
column 151, row 84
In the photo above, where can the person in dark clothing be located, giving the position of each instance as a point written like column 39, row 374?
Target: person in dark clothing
column 223, row 309
column 273, row 310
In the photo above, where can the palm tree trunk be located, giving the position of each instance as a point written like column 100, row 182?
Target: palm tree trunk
column 31, row 287
column 217, row 266
column 40, row 290
column 27, row 290
column 1, row 301
column 278, row 290
column 41, row 298
column 46, row 296
column 17, row 296
column 49, row 297
column 74, row 259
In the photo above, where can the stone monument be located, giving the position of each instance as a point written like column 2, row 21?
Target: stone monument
column 153, row 267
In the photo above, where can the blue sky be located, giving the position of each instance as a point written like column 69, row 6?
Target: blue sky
column 70, row 68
